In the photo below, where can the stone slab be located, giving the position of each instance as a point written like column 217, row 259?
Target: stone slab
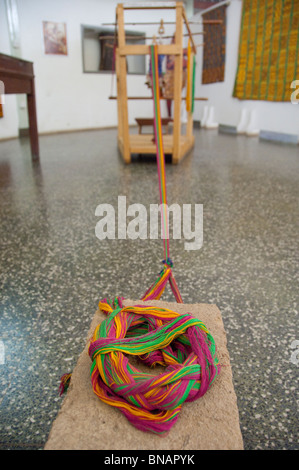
column 211, row 423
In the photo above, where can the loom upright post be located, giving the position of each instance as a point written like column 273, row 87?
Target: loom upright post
column 123, row 139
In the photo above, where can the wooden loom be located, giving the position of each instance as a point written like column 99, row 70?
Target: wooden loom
column 176, row 144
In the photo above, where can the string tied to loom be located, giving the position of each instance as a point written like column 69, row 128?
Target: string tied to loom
column 155, row 336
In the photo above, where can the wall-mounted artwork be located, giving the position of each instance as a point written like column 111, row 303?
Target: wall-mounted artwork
column 55, row 40
column 268, row 50
column 214, row 51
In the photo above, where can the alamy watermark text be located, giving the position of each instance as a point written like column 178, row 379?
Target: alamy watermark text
column 136, row 222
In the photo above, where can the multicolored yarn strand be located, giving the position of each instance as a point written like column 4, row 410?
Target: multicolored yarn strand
column 159, row 146
column 189, row 79
column 156, row 336
column 64, row 383
column 191, row 74
column 153, row 336
column 193, row 84
column 166, row 275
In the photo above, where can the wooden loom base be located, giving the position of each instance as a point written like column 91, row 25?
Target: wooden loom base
column 143, row 144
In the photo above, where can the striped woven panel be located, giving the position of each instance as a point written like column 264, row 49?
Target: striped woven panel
column 268, row 50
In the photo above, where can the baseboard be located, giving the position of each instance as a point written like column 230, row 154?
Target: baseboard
column 279, row 137
column 25, row 132
column 71, row 131
column 5, row 139
column 225, row 129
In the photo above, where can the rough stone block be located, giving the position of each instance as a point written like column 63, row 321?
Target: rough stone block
column 210, row 423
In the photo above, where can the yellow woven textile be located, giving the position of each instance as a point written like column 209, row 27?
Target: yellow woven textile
column 268, row 50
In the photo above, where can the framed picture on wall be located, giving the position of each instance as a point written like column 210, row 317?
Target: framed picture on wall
column 55, row 40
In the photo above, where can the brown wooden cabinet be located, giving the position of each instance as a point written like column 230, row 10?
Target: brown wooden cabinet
column 18, row 77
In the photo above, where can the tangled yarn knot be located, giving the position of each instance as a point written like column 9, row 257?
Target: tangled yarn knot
column 180, row 343
column 157, row 288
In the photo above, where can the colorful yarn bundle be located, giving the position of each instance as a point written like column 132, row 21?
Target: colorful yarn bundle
column 180, row 343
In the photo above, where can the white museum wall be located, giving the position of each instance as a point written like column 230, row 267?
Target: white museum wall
column 68, row 99
column 9, row 124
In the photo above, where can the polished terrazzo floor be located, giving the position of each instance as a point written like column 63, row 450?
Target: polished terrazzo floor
column 53, row 269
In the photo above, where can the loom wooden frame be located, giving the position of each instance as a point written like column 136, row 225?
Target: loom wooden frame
column 176, row 144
